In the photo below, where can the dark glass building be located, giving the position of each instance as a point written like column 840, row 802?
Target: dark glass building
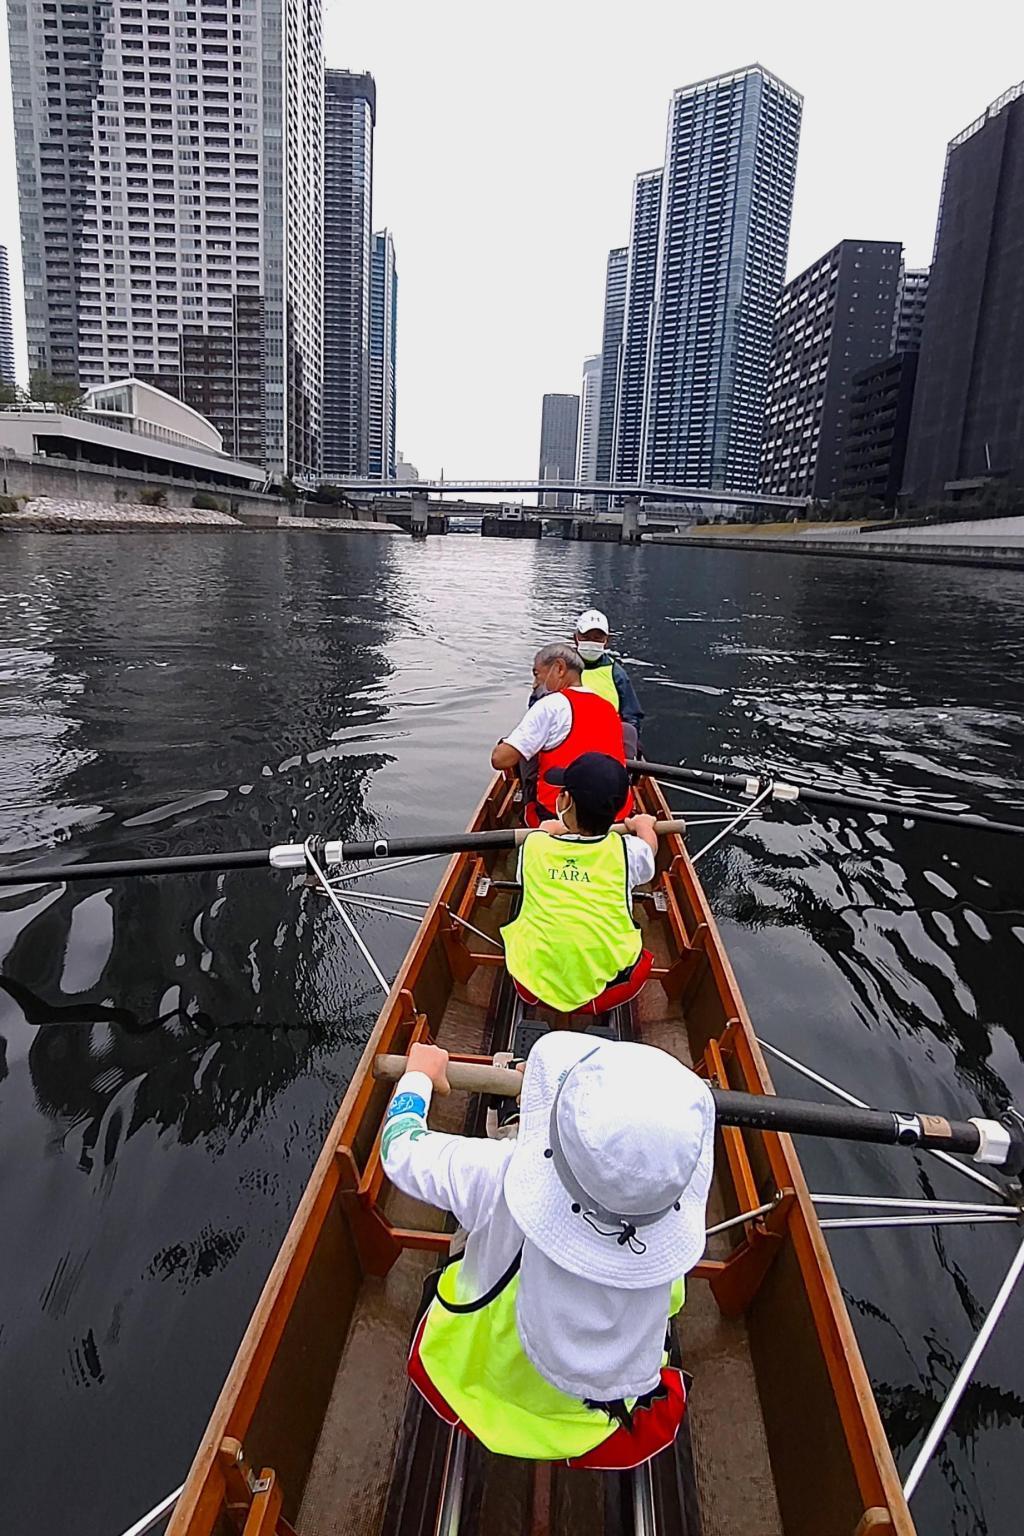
column 969, row 399
column 832, row 321
column 875, row 446
column 641, row 272
column 350, row 110
column 559, row 426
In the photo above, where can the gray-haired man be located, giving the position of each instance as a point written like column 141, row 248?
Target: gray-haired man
column 566, row 721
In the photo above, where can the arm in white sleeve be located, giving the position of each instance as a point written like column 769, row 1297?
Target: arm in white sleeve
column 640, row 860
column 461, row 1174
column 545, row 725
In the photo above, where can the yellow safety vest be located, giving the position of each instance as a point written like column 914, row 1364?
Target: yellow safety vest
column 474, row 1358
column 600, row 678
column 575, row 928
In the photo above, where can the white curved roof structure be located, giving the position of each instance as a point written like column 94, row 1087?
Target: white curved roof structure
column 150, row 411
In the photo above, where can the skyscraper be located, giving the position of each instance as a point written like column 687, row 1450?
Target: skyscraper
column 586, row 442
column 169, row 175
column 969, row 397
column 383, row 351
column 641, row 271
column 7, row 373
column 611, row 358
column 727, row 197
column 559, row 424
column 911, row 296
column 350, row 112
column 833, row 320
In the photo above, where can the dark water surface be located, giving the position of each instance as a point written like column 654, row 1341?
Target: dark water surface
column 172, row 693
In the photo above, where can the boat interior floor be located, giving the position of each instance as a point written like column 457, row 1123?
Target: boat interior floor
column 372, row 1407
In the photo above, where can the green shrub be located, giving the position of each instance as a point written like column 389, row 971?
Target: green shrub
column 8, row 504
column 152, row 496
column 204, row 502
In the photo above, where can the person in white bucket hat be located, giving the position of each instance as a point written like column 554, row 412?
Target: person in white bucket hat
column 545, row 1337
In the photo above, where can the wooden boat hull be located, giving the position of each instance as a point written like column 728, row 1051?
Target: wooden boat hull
column 787, row 1436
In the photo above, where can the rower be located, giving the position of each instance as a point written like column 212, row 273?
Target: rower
column 566, row 721
column 574, row 945
column 545, row 1336
column 604, row 673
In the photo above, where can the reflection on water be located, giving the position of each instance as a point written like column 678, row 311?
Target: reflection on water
column 171, row 1051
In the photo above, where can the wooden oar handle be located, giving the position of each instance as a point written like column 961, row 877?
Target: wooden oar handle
column 661, row 827
column 470, row 1076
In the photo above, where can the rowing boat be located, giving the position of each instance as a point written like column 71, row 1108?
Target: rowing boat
column 316, row 1429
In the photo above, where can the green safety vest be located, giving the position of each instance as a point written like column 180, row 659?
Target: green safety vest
column 474, row 1358
column 575, row 928
column 600, row 678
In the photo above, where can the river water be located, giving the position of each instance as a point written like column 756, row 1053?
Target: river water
column 187, row 693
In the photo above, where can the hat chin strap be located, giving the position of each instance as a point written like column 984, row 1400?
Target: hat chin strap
column 623, row 1227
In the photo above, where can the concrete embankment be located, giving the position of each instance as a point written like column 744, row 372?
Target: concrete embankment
column 48, row 515
column 928, row 551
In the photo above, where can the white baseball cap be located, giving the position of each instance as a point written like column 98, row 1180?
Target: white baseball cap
column 613, row 1162
column 593, row 618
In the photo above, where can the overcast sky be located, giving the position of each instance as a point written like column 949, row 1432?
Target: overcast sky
column 508, row 136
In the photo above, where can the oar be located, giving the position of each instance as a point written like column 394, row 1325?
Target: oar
column 752, row 784
column 997, row 1143
column 281, row 856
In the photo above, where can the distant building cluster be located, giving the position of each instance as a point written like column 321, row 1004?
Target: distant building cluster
column 196, row 213
column 860, row 378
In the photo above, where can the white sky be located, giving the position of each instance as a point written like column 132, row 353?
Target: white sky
column 508, row 136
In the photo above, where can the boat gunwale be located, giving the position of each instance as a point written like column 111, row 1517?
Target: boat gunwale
column 201, row 1501
column 870, row 1452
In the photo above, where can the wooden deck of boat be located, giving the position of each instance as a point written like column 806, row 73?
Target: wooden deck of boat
column 347, row 1487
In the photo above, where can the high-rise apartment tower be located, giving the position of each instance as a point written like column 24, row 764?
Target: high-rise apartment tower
column 169, row 171
column 6, row 322
column 383, row 356
column 833, row 320
column 559, row 428
column 586, row 442
column 634, row 377
column 611, row 359
column 350, row 112
column 727, row 197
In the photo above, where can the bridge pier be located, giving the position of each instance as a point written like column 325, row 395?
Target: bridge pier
column 420, row 514
column 631, row 520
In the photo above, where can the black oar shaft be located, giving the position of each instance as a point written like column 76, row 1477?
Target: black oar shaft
column 285, row 856
column 674, row 773
column 884, row 1127
column 999, row 1143
column 183, row 864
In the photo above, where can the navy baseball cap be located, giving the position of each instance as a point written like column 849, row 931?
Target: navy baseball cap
column 598, row 784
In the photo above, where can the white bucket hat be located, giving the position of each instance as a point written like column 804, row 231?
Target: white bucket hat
column 613, row 1162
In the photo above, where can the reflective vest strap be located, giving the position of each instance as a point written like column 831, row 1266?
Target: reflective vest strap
column 488, row 1296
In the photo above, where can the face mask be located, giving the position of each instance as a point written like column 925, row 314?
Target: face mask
column 590, row 650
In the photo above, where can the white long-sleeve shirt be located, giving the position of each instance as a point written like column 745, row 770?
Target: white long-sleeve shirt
column 588, row 1340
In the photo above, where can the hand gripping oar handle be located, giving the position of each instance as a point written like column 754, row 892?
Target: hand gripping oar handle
column 282, row 856
column 999, row 1143
column 469, row 1076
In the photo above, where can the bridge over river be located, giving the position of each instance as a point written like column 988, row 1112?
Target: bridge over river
column 635, row 500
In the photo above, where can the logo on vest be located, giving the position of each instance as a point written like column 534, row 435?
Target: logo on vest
column 570, row 872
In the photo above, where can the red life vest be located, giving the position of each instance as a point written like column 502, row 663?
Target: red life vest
column 596, row 727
